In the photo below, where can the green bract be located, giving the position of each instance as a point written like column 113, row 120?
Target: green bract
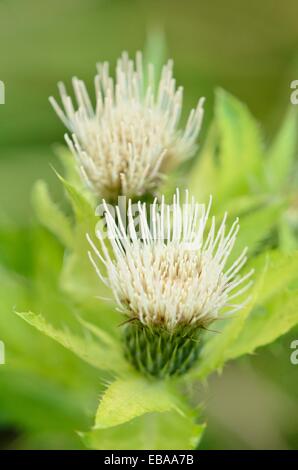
column 158, row 352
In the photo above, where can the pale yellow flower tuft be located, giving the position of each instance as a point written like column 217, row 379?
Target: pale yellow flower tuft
column 126, row 144
column 172, row 273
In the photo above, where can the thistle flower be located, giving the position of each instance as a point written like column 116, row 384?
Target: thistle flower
column 126, row 144
column 170, row 280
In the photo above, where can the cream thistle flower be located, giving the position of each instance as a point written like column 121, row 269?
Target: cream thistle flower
column 126, row 143
column 169, row 280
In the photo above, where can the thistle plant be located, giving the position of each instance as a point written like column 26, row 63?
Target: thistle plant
column 181, row 279
column 126, row 143
column 169, row 281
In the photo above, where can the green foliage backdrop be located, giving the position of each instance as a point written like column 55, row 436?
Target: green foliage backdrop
column 70, row 387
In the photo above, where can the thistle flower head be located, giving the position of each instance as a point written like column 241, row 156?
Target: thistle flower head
column 170, row 278
column 173, row 272
column 129, row 139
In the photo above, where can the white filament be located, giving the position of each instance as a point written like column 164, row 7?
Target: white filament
column 172, row 272
column 129, row 139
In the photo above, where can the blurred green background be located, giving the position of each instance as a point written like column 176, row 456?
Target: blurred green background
column 247, row 48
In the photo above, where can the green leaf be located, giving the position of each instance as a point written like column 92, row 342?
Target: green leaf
column 83, row 208
column 79, row 280
column 78, row 277
column 102, row 335
column 94, row 353
column 240, row 143
column 70, row 167
column 170, row 431
column 155, row 431
column 130, row 408
column 255, row 227
column 282, row 153
column 266, row 324
column 231, row 160
column 288, row 241
column 274, row 273
column 244, row 205
column 205, row 173
column 50, row 216
column 132, row 397
column 214, row 352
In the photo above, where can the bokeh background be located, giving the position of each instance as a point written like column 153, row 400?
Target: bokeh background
column 247, row 48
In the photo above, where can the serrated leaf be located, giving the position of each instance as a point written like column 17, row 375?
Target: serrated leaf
column 50, row 216
column 94, row 353
column 275, row 273
column 132, row 397
column 130, row 408
column 266, row 324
